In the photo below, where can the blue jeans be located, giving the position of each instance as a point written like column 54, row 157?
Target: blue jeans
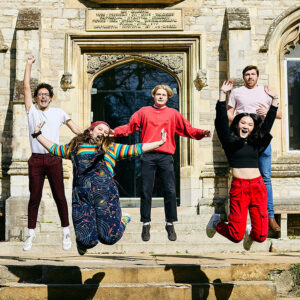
column 264, row 163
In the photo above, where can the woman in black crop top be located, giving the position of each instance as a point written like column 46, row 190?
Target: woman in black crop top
column 243, row 142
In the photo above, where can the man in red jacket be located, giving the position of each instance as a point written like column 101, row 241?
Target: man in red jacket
column 151, row 120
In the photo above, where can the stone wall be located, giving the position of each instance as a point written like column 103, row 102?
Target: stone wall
column 250, row 22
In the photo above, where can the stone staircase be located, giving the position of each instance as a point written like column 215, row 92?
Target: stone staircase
column 170, row 281
column 190, row 229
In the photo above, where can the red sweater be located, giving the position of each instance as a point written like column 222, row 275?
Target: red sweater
column 152, row 120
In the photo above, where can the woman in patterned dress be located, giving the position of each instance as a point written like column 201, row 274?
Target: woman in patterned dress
column 96, row 211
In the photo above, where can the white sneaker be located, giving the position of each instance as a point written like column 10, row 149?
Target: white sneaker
column 247, row 243
column 212, row 224
column 28, row 242
column 66, row 242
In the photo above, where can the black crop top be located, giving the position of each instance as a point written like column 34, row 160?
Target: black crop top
column 239, row 152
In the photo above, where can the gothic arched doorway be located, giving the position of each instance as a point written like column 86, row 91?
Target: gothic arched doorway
column 116, row 95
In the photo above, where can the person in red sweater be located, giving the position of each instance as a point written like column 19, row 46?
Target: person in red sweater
column 150, row 120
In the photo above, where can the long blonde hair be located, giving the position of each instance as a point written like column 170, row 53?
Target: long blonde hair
column 85, row 138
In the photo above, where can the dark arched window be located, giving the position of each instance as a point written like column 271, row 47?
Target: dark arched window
column 116, row 95
column 293, row 96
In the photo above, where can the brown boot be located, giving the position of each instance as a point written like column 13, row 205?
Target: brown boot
column 273, row 225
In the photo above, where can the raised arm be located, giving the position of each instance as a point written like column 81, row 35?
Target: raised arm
column 274, row 96
column 271, row 116
column 221, row 121
column 133, row 125
column 74, row 127
column 57, row 150
column 26, row 83
column 184, row 128
column 121, row 151
column 151, row 146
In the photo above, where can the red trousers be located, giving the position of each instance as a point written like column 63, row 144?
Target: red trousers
column 246, row 194
column 41, row 165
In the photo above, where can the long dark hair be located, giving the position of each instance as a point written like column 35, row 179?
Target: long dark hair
column 85, row 138
column 255, row 134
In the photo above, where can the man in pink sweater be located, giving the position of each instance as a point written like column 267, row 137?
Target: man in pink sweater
column 150, row 120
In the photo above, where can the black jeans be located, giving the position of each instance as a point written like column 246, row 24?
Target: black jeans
column 150, row 162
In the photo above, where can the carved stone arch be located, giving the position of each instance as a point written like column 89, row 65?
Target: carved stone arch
column 280, row 25
column 283, row 34
column 290, row 38
column 170, row 63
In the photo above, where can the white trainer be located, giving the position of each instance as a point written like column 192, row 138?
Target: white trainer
column 247, row 243
column 66, row 242
column 28, row 242
column 212, row 224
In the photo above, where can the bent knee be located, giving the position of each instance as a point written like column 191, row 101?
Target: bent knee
column 258, row 238
column 108, row 241
column 237, row 238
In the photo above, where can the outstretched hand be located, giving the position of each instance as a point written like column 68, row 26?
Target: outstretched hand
column 30, row 60
column 111, row 133
column 226, row 86
column 262, row 110
column 206, row 133
column 163, row 135
column 271, row 93
column 39, row 127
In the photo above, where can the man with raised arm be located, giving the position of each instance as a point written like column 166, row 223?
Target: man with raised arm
column 150, row 120
column 41, row 163
column 253, row 98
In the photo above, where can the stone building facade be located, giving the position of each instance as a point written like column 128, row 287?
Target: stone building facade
column 198, row 42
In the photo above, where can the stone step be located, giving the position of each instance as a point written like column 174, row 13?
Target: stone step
column 135, row 227
column 211, row 291
column 170, row 274
column 237, row 290
column 96, row 291
column 157, row 237
column 163, row 247
column 113, row 274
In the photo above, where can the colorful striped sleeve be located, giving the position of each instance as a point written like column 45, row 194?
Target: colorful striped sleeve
column 59, row 150
column 126, row 151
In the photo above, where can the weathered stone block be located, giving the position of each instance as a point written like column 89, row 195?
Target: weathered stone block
column 29, row 19
column 238, row 18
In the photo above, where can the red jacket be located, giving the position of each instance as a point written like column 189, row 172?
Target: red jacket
column 152, row 120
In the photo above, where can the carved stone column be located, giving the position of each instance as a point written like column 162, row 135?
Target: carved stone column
column 27, row 43
column 239, row 43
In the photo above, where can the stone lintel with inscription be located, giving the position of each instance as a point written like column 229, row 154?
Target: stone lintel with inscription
column 134, row 20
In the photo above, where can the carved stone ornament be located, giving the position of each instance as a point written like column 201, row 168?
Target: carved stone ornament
column 292, row 37
column 273, row 26
column 201, row 80
column 66, row 81
column 172, row 62
column 138, row 2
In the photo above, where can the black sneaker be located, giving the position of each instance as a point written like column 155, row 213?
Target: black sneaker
column 171, row 232
column 81, row 251
column 146, row 233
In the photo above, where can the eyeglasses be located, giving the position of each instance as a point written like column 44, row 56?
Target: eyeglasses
column 43, row 94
